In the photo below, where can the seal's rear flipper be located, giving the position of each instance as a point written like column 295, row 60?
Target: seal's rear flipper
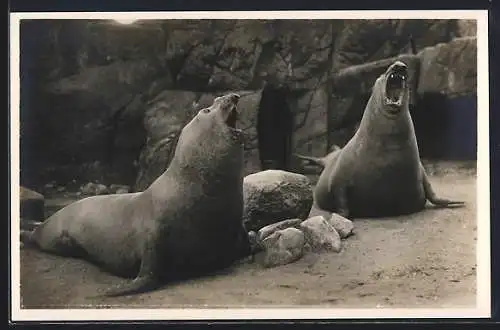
column 431, row 195
column 441, row 202
column 312, row 160
column 336, row 147
column 146, row 280
column 29, row 225
column 138, row 285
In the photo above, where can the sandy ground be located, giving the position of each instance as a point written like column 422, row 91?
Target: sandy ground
column 422, row 260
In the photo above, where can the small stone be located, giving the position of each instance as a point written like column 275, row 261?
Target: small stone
column 88, row 189
column 283, row 247
column 270, row 229
column 321, row 235
column 342, row 225
column 94, row 189
column 252, row 238
column 119, row 189
column 101, row 189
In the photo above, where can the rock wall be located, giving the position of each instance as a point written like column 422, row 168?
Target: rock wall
column 449, row 68
column 103, row 101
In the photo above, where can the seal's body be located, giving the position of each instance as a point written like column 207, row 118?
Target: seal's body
column 188, row 222
column 378, row 172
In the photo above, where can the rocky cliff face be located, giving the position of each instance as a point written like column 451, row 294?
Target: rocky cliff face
column 104, row 101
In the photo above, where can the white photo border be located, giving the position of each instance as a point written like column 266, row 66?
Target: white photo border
column 483, row 296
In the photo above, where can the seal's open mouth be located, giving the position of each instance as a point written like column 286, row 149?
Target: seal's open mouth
column 232, row 117
column 396, row 84
column 230, row 110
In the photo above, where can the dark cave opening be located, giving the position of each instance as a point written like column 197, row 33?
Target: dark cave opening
column 446, row 128
column 274, row 129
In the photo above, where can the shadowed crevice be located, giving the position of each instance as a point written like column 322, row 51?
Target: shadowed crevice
column 274, row 129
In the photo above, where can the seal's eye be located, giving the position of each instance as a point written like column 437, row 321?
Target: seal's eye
column 206, row 110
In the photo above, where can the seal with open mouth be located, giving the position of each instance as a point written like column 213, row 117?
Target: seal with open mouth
column 186, row 223
column 378, row 172
column 396, row 87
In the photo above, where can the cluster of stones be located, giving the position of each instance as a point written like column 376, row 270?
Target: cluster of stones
column 92, row 188
column 277, row 214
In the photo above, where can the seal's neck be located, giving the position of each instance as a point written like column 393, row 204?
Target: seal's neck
column 216, row 166
column 381, row 127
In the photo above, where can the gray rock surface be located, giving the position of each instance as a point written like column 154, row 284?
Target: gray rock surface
column 119, row 189
column 449, row 68
column 283, row 247
column 342, row 225
column 92, row 188
column 266, row 231
column 320, row 234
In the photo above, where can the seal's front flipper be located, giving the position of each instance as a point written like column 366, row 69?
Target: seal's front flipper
column 431, row 195
column 337, row 193
column 147, row 279
column 340, row 201
column 139, row 285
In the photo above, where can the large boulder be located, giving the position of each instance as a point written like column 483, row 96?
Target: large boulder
column 32, row 204
column 274, row 195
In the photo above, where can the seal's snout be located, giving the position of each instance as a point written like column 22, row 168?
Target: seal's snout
column 229, row 98
column 234, row 97
column 398, row 65
column 396, row 83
